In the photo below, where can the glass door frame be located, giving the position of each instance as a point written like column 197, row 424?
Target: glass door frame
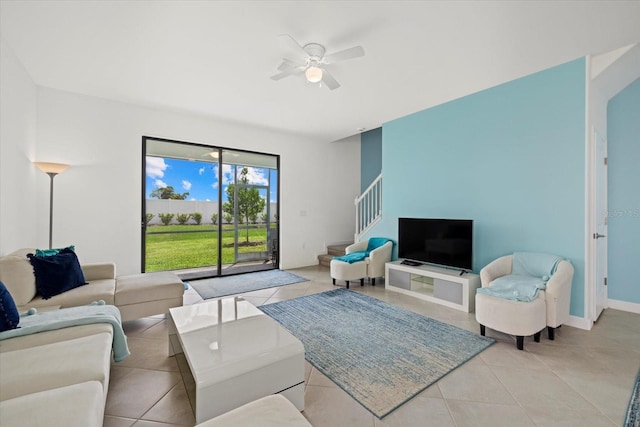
column 221, row 150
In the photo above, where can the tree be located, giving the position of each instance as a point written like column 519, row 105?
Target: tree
column 168, row 193
column 214, row 218
column 148, row 218
column 250, row 204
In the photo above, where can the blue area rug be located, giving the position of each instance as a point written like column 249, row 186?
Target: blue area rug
column 379, row 354
column 242, row 283
column 632, row 418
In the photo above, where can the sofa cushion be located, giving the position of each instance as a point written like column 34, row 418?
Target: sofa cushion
column 75, row 405
column 94, row 291
column 54, row 365
column 58, row 273
column 145, row 287
column 56, row 335
column 16, row 273
column 9, row 316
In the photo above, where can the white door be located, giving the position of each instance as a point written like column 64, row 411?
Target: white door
column 600, row 231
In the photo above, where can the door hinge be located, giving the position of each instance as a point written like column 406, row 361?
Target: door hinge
column 605, row 161
column 605, row 281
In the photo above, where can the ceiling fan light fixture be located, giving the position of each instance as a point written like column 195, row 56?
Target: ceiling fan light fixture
column 313, row 74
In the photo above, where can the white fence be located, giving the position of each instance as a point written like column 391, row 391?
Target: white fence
column 165, row 206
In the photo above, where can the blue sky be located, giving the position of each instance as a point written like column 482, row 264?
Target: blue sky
column 200, row 179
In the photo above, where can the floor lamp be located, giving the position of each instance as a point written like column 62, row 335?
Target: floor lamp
column 51, row 169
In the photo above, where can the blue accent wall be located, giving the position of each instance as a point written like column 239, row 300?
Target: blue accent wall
column 370, row 157
column 623, row 137
column 511, row 158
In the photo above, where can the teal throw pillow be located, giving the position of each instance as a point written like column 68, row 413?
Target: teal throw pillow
column 51, row 252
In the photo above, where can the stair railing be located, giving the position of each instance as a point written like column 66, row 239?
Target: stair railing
column 368, row 208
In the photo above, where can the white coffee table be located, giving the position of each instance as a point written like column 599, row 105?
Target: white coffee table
column 236, row 354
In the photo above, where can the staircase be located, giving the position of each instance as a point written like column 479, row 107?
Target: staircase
column 333, row 250
column 368, row 214
column 368, row 208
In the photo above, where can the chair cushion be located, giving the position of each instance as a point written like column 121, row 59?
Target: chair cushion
column 57, row 273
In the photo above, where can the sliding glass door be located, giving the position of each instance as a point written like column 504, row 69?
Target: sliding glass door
column 208, row 211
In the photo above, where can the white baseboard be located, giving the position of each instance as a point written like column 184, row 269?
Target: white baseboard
column 631, row 307
column 579, row 322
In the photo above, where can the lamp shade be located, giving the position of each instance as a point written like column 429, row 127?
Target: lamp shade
column 48, row 167
column 313, row 74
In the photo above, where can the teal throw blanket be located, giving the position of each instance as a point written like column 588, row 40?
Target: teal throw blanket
column 514, row 287
column 74, row 316
column 530, row 272
column 374, row 243
column 534, row 264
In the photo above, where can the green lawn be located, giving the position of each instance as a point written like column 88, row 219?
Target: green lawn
column 175, row 247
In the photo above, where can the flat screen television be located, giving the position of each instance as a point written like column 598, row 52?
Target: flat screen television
column 445, row 242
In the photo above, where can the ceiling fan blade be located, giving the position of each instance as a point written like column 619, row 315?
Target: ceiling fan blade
column 343, row 55
column 328, row 79
column 289, row 72
column 288, row 64
column 290, row 45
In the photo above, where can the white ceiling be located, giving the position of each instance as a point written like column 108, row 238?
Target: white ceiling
column 215, row 57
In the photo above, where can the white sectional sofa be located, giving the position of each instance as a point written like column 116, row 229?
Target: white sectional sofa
column 136, row 295
column 61, row 377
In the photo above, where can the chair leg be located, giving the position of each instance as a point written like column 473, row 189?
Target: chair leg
column 552, row 333
column 483, row 330
column 347, row 284
column 334, row 282
column 373, row 281
column 536, row 337
column 362, row 282
column 520, row 342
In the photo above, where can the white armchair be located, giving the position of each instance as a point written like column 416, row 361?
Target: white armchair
column 376, row 259
column 550, row 309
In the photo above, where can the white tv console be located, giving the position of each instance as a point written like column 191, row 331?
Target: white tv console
column 435, row 284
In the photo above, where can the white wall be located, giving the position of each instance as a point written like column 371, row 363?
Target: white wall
column 19, row 218
column 98, row 199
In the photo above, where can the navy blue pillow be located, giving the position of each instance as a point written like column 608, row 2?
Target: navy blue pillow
column 58, row 273
column 9, row 316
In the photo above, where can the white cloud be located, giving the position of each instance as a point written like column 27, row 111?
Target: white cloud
column 160, row 183
column 255, row 176
column 214, row 185
column 227, row 174
column 155, row 167
column 193, row 199
column 201, row 171
column 186, row 185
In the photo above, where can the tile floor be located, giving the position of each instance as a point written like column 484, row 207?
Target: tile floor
column 583, row 378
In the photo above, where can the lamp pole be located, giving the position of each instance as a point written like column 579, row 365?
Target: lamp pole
column 51, row 175
column 51, row 169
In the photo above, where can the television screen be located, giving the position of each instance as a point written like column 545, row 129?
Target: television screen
column 446, row 242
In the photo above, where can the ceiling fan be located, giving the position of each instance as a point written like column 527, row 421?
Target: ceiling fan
column 311, row 61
